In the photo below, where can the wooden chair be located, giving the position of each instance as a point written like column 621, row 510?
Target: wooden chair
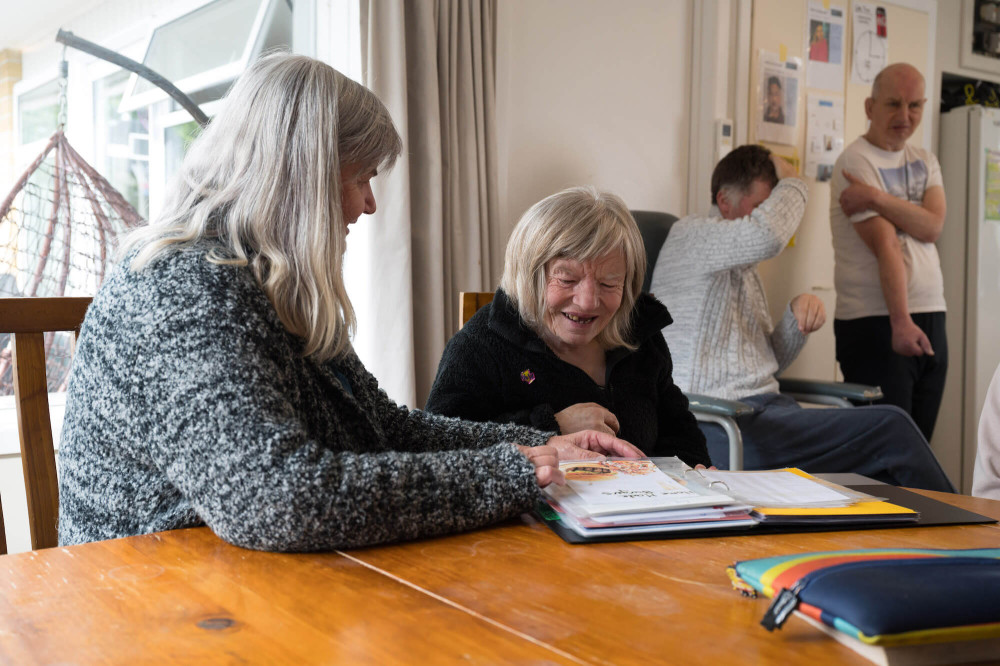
column 28, row 319
column 469, row 304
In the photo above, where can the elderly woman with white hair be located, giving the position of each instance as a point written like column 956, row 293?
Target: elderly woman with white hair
column 215, row 383
column 569, row 343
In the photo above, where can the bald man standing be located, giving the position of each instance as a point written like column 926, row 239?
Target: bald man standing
column 887, row 209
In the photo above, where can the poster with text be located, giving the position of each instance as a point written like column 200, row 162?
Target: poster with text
column 825, row 50
column 824, row 135
column 991, row 200
column 778, row 98
column 870, row 52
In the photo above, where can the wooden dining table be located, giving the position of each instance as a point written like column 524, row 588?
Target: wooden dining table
column 512, row 593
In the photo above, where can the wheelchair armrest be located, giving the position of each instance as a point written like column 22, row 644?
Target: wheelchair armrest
column 722, row 413
column 717, row 406
column 844, row 390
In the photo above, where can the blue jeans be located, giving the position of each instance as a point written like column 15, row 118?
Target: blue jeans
column 879, row 441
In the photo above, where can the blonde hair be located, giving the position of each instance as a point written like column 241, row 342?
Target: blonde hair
column 582, row 224
column 263, row 179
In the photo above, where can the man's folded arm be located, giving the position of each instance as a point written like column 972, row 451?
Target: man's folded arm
column 924, row 221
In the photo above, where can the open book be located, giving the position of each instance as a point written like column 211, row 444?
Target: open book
column 791, row 496
column 616, row 486
column 620, row 497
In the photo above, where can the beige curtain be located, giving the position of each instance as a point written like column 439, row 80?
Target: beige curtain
column 432, row 63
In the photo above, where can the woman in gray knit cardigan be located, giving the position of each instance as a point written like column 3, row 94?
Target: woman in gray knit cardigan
column 215, row 383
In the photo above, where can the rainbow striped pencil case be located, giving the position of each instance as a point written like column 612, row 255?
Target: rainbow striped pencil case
column 882, row 597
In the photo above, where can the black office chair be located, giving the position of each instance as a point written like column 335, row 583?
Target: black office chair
column 655, row 227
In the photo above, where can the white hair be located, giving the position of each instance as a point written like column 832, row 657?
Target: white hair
column 583, row 224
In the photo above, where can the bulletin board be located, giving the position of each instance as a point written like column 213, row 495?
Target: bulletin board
column 778, row 26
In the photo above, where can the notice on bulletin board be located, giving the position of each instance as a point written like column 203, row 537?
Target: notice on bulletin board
column 778, row 95
column 824, row 135
column 825, row 55
column 991, row 204
column 871, row 42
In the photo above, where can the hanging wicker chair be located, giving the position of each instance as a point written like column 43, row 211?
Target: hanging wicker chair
column 59, row 230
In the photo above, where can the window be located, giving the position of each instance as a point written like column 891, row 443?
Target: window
column 211, row 45
column 202, row 53
column 121, row 141
column 38, row 112
column 176, row 139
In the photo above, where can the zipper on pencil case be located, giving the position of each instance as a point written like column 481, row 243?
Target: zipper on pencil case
column 784, row 604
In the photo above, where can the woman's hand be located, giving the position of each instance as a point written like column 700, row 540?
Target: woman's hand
column 585, row 445
column 592, row 445
column 586, row 416
column 546, row 462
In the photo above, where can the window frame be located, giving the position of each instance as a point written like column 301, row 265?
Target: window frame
column 24, row 153
column 131, row 100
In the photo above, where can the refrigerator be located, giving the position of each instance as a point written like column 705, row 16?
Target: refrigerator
column 969, row 248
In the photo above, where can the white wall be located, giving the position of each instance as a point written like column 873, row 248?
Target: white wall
column 593, row 92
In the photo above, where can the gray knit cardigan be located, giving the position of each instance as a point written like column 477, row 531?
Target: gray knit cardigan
column 190, row 404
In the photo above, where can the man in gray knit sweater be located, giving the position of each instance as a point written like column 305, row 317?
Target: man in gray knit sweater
column 724, row 343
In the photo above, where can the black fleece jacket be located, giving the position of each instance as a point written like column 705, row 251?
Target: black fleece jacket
column 497, row 369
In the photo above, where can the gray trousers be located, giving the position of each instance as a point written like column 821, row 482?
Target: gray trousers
column 879, row 441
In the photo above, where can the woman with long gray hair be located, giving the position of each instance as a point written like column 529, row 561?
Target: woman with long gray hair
column 215, row 383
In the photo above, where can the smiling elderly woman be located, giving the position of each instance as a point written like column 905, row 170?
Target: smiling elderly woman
column 569, row 343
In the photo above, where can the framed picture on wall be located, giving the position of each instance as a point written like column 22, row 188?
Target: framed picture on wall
column 980, row 38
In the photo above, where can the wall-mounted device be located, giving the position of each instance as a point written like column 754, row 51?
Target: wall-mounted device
column 723, row 138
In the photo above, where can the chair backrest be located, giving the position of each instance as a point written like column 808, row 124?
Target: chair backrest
column 654, row 227
column 28, row 319
column 469, row 304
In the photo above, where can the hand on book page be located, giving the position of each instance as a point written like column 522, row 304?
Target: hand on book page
column 546, row 462
column 592, row 445
column 596, row 488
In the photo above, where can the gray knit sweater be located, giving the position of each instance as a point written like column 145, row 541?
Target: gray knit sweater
column 190, row 404
column 723, row 341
